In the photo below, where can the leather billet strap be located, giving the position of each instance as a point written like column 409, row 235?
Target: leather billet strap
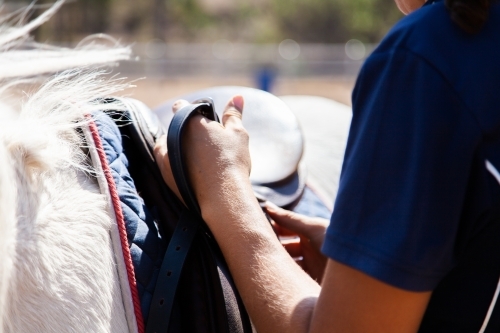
column 174, row 145
column 170, row 272
column 187, row 227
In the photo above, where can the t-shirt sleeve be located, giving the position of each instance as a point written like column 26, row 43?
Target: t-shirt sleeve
column 405, row 174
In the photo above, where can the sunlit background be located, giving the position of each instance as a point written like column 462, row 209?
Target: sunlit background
column 312, row 47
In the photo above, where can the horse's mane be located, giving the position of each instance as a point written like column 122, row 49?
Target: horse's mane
column 45, row 93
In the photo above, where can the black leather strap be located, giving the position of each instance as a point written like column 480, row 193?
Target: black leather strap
column 170, row 272
column 187, row 227
column 174, row 145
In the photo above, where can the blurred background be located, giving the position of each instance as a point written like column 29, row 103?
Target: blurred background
column 287, row 47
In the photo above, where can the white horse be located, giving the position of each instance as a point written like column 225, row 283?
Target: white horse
column 58, row 270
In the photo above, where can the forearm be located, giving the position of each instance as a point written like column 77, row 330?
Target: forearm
column 268, row 279
column 278, row 295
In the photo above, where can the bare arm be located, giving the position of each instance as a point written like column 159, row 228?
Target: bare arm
column 278, row 294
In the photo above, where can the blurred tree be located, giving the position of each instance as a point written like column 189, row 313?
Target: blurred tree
column 333, row 21
column 75, row 20
column 186, row 18
column 313, row 21
column 159, row 19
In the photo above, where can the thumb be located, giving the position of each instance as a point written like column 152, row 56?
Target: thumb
column 233, row 112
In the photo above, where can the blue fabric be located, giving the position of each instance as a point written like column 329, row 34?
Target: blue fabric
column 146, row 246
column 311, row 205
column 416, row 206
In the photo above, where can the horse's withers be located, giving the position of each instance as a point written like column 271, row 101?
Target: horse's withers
column 63, row 272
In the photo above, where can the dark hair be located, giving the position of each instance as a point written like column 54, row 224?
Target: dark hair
column 470, row 15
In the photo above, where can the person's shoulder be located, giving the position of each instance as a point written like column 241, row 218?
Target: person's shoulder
column 417, row 30
column 467, row 64
column 411, row 43
column 430, row 33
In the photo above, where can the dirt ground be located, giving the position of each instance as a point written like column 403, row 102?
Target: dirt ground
column 155, row 91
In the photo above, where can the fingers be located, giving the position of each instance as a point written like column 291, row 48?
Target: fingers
column 292, row 246
column 314, row 262
column 282, row 231
column 179, row 104
column 232, row 114
column 294, row 222
column 160, row 149
column 161, row 156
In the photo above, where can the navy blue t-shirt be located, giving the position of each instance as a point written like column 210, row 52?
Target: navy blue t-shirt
column 418, row 205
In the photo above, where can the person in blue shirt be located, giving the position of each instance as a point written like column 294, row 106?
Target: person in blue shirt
column 413, row 244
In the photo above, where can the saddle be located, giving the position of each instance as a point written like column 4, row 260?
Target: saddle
column 176, row 275
column 276, row 141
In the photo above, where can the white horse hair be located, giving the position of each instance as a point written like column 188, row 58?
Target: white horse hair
column 7, row 224
column 57, row 267
column 40, row 58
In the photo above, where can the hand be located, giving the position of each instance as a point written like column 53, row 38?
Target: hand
column 161, row 155
column 311, row 232
column 216, row 154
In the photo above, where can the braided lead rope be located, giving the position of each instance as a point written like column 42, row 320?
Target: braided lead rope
column 121, row 224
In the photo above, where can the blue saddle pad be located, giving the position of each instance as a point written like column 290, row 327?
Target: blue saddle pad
column 147, row 248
